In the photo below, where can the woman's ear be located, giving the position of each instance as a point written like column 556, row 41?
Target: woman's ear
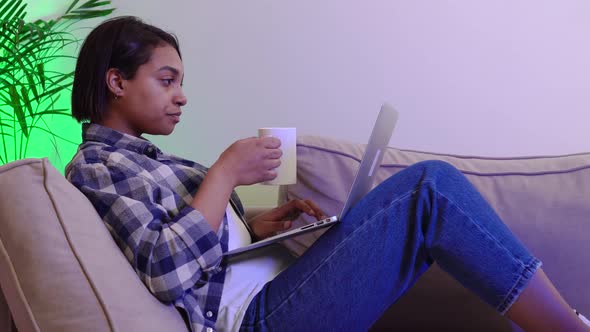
column 114, row 81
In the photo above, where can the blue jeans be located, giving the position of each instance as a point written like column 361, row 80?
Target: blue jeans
column 427, row 212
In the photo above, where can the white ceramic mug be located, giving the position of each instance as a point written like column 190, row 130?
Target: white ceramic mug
column 287, row 171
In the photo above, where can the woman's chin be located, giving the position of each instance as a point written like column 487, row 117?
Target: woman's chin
column 167, row 131
column 163, row 130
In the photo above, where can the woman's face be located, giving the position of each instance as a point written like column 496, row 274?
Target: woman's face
column 150, row 102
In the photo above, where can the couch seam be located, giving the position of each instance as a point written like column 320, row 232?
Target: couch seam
column 467, row 157
column 18, row 163
column 482, row 174
column 74, row 252
column 463, row 156
column 19, row 289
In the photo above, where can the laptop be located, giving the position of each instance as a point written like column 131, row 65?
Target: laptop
column 363, row 181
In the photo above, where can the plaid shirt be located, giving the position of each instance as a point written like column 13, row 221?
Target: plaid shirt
column 143, row 197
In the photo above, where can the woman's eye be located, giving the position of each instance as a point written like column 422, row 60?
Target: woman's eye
column 168, row 81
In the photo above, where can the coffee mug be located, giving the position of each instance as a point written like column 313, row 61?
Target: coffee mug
column 287, row 171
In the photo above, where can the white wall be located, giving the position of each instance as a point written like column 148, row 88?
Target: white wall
column 469, row 77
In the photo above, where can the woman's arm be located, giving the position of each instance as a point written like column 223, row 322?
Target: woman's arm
column 171, row 251
column 245, row 162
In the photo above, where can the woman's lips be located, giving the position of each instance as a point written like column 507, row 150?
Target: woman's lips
column 175, row 117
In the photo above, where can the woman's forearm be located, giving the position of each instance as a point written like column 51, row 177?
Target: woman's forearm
column 213, row 196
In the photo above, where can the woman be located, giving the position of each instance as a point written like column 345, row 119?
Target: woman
column 174, row 218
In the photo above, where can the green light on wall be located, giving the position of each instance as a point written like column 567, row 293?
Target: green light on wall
column 39, row 9
column 36, row 72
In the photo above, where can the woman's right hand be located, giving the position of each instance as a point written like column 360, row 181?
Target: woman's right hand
column 250, row 160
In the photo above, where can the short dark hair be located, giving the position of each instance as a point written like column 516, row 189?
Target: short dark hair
column 124, row 43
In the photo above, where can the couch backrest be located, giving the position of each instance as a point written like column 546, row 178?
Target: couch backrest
column 545, row 201
column 60, row 270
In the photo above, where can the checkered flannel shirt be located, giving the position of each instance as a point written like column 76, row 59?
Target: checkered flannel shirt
column 143, row 197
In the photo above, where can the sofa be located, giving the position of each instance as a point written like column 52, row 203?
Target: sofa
column 61, row 271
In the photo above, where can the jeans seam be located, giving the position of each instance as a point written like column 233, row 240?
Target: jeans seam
column 482, row 229
column 512, row 295
column 530, row 266
column 334, row 251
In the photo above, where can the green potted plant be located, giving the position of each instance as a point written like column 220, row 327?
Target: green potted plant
column 30, row 87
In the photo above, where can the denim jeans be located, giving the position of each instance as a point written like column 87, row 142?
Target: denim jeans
column 427, row 212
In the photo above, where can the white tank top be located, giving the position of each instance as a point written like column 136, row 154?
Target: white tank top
column 245, row 278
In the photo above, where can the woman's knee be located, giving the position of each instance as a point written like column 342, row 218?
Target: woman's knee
column 436, row 167
column 424, row 173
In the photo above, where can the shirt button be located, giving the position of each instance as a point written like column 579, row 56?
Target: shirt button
column 209, row 329
column 209, row 314
column 226, row 227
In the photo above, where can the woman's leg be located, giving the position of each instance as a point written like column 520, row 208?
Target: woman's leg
column 357, row 269
column 540, row 307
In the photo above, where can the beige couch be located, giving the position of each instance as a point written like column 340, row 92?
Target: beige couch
column 61, row 271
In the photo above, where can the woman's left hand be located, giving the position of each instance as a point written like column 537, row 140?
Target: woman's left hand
column 281, row 218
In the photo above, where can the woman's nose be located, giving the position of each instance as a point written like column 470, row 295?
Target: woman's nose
column 180, row 99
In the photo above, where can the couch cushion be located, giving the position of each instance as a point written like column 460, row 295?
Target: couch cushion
column 60, row 270
column 5, row 317
column 543, row 200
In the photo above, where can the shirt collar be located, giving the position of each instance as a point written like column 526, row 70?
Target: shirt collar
column 92, row 132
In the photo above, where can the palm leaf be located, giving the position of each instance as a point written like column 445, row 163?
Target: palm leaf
column 52, row 133
column 59, row 57
column 46, row 41
column 3, row 81
column 24, row 68
column 54, row 78
column 51, row 92
column 11, row 13
column 57, row 111
column 7, row 102
column 7, row 8
column 41, row 71
column 95, row 4
column 85, row 11
column 62, row 77
column 30, row 78
column 5, row 113
column 50, row 41
column 87, row 14
column 20, row 13
column 25, row 95
column 51, row 98
column 74, row 3
column 35, row 46
column 6, row 34
column 28, row 90
column 31, row 31
column 18, row 110
column 17, row 35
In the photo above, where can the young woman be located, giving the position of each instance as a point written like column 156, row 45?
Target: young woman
column 174, row 218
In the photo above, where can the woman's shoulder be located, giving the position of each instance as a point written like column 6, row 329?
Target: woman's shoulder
column 94, row 155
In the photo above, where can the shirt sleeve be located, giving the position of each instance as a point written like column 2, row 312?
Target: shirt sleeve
column 170, row 251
